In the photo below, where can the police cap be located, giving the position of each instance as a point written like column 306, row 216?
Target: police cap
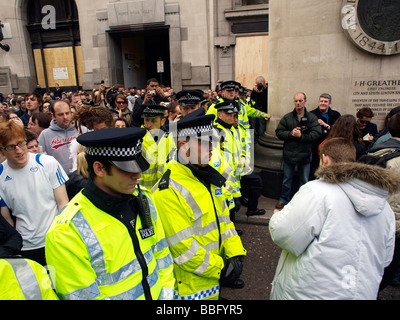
column 189, row 97
column 230, row 85
column 228, row 107
column 120, row 146
column 196, row 124
column 153, row 110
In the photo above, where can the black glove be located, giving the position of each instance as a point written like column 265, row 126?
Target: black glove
column 232, row 270
column 238, row 204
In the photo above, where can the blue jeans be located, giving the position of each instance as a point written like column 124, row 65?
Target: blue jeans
column 288, row 173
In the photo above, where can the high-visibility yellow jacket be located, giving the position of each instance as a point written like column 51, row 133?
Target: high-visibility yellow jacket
column 230, row 148
column 156, row 154
column 95, row 257
column 219, row 163
column 247, row 149
column 24, row 279
column 245, row 112
column 198, row 229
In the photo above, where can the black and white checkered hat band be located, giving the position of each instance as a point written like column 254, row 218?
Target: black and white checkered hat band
column 115, row 152
column 153, row 111
column 195, row 131
column 188, row 98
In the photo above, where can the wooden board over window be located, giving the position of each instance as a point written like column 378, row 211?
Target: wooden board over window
column 251, row 59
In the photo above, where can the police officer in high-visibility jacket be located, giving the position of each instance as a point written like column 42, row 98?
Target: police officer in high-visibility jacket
column 108, row 242
column 20, row 279
column 230, row 90
column 155, row 145
column 202, row 239
column 24, row 279
column 230, row 146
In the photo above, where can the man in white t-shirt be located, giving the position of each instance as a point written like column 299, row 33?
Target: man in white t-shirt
column 32, row 188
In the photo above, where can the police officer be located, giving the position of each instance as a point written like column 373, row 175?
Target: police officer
column 21, row 279
column 230, row 91
column 189, row 100
column 154, row 118
column 206, row 249
column 230, row 147
column 108, row 242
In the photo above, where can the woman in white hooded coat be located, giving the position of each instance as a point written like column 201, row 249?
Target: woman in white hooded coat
column 337, row 234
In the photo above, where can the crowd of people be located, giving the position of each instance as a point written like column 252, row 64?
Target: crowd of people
column 167, row 172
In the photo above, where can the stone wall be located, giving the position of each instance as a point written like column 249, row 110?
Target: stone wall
column 310, row 52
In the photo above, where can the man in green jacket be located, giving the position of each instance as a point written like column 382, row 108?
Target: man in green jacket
column 298, row 129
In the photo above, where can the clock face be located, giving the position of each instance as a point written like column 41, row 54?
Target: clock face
column 373, row 25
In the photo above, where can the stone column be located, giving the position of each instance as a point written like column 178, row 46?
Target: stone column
column 326, row 46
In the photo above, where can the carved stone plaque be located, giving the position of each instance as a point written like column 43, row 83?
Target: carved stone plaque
column 373, row 25
column 136, row 13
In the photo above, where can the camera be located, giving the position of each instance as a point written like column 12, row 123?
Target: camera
column 152, row 92
column 260, row 87
column 304, row 125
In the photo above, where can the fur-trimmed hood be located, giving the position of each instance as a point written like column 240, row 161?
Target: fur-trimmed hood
column 365, row 185
column 379, row 177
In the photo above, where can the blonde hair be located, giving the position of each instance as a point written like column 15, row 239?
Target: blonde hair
column 82, row 165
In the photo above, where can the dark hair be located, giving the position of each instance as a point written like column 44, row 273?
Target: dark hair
column 346, row 127
column 172, row 106
column 38, row 97
column 391, row 114
column 339, row 150
column 74, row 94
column 43, row 119
column 152, row 80
column 90, row 116
column 92, row 159
column 121, row 96
column 120, row 119
column 30, row 136
column 365, row 112
column 394, row 125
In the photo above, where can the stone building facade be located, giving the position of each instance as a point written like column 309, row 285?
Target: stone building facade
column 79, row 43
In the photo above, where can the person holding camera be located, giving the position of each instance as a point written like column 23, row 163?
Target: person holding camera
column 153, row 95
column 260, row 97
column 298, row 129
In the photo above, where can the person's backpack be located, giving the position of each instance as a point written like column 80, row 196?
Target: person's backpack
column 379, row 160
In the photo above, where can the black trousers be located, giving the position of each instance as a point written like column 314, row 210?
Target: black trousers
column 392, row 268
column 37, row 255
column 251, row 188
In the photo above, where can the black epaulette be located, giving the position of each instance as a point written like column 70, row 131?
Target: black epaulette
column 164, row 182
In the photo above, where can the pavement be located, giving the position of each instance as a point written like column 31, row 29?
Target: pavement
column 263, row 203
column 262, row 258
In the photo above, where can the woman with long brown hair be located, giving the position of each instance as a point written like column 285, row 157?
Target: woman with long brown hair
column 347, row 127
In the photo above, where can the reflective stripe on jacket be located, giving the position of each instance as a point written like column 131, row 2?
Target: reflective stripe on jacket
column 24, row 279
column 230, row 148
column 198, row 230
column 245, row 112
column 94, row 258
column 156, row 153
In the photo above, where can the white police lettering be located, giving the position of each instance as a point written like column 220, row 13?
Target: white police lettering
column 146, row 233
